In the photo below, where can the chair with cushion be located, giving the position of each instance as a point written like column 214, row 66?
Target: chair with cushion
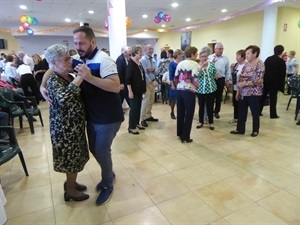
column 30, row 106
column 9, row 149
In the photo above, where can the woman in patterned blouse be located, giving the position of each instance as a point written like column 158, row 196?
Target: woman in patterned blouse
column 207, row 88
column 250, row 88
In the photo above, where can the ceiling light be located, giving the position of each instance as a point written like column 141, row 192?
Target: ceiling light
column 145, row 30
column 160, row 30
column 91, row 12
column 145, row 16
column 67, row 20
column 224, row 10
column 23, row 7
column 188, row 19
column 163, row 25
column 175, row 4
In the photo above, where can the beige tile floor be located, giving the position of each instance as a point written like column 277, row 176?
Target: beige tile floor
column 219, row 179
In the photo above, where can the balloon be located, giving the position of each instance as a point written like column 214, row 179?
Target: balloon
column 29, row 31
column 35, row 21
column 26, row 25
column 106, row 24
column 23, row 19
column 128, row 22
column 160, row 15
column 167, row 18
column 157, row 19
column 299, row 23
column 21, row 29
column 29, row 19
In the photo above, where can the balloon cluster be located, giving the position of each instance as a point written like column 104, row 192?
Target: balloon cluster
column 128, row 23
column 27, row 21
column 162, row 16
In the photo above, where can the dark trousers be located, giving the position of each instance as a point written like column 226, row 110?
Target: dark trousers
column 219, row 94
column 135, row 111
column 208, row 100
column 253, row 103
column 185, row 113
column 235, row 106
column 27, row 80
column 273, row 101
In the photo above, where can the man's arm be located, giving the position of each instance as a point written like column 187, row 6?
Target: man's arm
column 43, row 89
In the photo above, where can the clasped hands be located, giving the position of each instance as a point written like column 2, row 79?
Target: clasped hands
column 83, row 71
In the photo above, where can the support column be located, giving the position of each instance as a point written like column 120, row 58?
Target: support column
column 116, row 10
column 269, row 31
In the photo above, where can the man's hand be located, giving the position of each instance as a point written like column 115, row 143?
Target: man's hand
column 44, row 93
column 83, row 71
column 122, row 86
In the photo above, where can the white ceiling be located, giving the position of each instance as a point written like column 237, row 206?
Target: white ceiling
column 51, row 13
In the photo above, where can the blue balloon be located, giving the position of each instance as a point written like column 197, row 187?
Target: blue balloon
column 29, row 31
column 35, row 21
column 160, row 15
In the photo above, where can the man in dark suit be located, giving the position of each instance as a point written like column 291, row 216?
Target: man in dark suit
column 122, row 62
column 274, row 79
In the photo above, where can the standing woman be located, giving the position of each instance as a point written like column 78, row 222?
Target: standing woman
column 207, row 88
column 292, row 66
column 235, row 76
column 187, row 83
column 40, row 67
column 136, row 84
column 250, row 89
column 172, row 90
column 67, row 121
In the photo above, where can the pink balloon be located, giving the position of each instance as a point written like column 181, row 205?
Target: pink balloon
column 167, row 18
column 157, row 19
column 106, row 24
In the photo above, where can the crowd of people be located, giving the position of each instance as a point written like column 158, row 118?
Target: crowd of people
column 85, row 90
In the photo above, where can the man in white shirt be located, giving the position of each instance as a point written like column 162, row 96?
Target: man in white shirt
column 223, row 73
column 26, row 59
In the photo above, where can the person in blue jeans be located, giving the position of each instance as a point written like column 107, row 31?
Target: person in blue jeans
column 100, row 92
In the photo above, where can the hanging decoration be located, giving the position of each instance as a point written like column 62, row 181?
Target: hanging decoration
column 27, row 21
column 162, row 16
column 128, row 23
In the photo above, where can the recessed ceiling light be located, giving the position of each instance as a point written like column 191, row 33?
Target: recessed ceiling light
column 175, row 4
column 163, row 25
column 23, row 7
column 188, row 19
column 145, row 16
column 91, row 12
column 224, row 10
column 160, row 30
column 67, row 20
column 145, row 30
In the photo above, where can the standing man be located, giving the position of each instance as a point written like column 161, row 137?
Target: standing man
column 100, row 89
column 122, row 62
column 148, row 99
column 274, row 80
column 223, row 72
column 27, row 60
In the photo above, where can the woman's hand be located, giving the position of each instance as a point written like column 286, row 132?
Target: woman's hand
column 83, row 71
column 44, row 93
column 130, row 95
column 237, row 96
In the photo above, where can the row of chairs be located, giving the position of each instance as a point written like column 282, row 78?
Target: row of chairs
column 294, row 83
column 16, row 105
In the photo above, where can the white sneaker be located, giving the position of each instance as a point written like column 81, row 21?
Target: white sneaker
column 232, row 121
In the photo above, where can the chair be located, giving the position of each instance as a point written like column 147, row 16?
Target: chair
column 294, row 83
column 28, row 110
column 9, row 149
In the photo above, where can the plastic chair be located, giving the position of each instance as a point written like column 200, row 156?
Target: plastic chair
column 29, row 110
column 9, row 149
column 294, row 83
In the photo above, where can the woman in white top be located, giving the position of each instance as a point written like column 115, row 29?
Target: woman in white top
column 292, row 65
column 10, row 73
column 235, row 76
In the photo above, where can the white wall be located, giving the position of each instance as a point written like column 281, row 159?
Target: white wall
column 37, row 44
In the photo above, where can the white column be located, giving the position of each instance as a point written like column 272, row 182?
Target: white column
column 117, row 26
column 269, row 31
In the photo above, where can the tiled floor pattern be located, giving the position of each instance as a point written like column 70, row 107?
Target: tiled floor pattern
column 219, row 179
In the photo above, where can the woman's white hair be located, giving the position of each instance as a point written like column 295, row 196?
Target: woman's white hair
column 54, row 52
